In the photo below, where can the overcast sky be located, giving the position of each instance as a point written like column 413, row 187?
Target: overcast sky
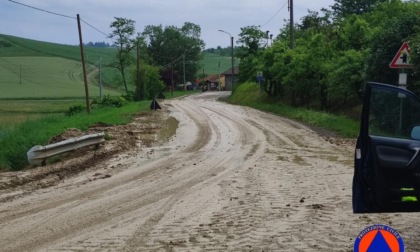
column 211, row 15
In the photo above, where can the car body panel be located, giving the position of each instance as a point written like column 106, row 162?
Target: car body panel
column 387, row 161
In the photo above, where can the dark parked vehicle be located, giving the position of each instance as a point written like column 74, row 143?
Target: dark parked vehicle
column 387, row 158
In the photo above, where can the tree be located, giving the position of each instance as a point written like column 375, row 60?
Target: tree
column 344, row 8
column 251, row 40
column 386, row 43
column 123, row 34
column 354, row 33
column 150, row 82
column 346, row 75
column 169, row 45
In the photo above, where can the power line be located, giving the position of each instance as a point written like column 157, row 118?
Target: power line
column 61, row 15
column 96, row 29
column 50, row 12
column 269, row 20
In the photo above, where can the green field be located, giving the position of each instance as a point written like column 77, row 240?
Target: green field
column 14, row 112
column 34, row 69
column 210, row 63
column 45, row 77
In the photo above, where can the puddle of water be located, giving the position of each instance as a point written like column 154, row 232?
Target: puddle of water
column 169, row 130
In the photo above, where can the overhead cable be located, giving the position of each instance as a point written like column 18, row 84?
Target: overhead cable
column 269, row 20
column 50, row 12
column 96, row 29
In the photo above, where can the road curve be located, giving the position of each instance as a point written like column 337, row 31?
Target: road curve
column 231, row 179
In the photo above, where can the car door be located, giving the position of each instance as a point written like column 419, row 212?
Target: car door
column 387, row 157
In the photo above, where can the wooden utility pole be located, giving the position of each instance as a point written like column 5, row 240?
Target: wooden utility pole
column 292, row 44
column 183, row 66
column 233, row 67
column 100, row 78
column 172, row 77
column 140, row 91
column 292, row 27
column 83, row 64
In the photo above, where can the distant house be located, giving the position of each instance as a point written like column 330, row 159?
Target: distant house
column 228, row 78
column 212, row 82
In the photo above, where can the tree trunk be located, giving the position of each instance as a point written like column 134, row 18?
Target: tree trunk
column 122, row 70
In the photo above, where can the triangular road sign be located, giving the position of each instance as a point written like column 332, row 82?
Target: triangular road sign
column 402, row 58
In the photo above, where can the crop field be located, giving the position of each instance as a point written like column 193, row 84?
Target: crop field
column 13, row 112
column 45, row 77
column 210, row 63
column 38, row 78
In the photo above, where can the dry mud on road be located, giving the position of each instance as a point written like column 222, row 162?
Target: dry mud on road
column 231, row 179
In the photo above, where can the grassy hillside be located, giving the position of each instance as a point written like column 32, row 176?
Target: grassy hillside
column 210, row 63
column 34, row 69
column 44, row 77
column 11, row 46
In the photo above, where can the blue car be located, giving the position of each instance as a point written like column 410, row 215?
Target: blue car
column 387, row 157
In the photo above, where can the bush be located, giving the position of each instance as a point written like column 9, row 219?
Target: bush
column 109, row 101
column 129, row 96
column 75, row 110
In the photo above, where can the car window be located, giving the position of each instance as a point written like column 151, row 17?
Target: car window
column 393, row 115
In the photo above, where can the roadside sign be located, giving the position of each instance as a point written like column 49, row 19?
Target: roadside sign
column 260, row 76
column 402, row 58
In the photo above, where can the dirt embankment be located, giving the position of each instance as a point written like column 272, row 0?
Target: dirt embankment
column 146, row 130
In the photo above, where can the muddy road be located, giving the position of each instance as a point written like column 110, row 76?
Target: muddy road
column 230, row 179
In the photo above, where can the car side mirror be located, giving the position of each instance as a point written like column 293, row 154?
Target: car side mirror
column 415, row 132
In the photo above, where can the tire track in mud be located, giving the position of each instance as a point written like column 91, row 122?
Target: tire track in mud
column 235, row 180
column 88, row 219
column 170, row 236
column 317, row 204
column 255, row 211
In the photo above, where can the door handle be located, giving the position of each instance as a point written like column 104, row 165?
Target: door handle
column 416, row 153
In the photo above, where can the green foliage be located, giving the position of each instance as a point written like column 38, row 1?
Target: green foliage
column 110, row 101
column 344, row 8
column 17, row 141
column 346, row 75
column 355, row 33
column 129, row 96
column 171, row 43
column 386, row 42
column 123, row 31
column 75, row 110
column 252, row 41
column 150, row 84
column 415, row 59
column 247, row 94
column 334, row 53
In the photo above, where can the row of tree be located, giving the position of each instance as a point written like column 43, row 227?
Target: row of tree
column 335, row 52
column 97, row 44
column 156, row 57
column 224, row 52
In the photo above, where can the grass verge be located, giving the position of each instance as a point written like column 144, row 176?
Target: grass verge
column 15, row 142
column 247, row 94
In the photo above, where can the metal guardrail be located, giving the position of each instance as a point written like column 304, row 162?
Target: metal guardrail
column 38, row 154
